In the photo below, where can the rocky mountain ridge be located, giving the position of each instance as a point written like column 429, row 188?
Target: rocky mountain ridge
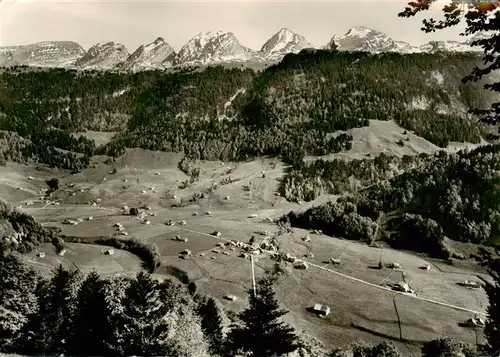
column 209, row 48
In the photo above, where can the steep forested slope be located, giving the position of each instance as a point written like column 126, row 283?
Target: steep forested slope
column 290, row 109
column 453, row 195
column 19, row 231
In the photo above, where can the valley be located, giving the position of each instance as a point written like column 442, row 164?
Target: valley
column 359, row 179
column 360, row 296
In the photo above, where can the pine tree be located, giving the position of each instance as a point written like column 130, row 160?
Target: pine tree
column 141, row 329
column 61, row 305
column 262, row 333
column 17, row 298
column 211, row 324
column 91, row 326
column 35, row 336
column 48, row 329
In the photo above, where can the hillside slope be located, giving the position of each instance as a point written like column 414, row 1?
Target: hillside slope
column 290, row 109
column 19, row 231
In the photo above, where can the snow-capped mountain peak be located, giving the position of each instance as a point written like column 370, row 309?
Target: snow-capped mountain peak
column 104, row 55
column 45, row 54
column 361, row 38
column 448, row 46
column 155, row 55
column 283, row 42
column 212, row 46
column 361, row 31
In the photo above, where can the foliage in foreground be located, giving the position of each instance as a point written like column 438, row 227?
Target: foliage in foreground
column 89, row 315
column 481, row 18
column 261, row 332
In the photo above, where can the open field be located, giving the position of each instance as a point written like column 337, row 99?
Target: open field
column 359, row 310
column 382, row 136
column 86, row 257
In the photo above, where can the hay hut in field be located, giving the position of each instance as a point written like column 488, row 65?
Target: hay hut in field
column 475, row 322
column 321, row 310
column 301, row 265
column 393, row 265
column 403, row 287
column 470, row 284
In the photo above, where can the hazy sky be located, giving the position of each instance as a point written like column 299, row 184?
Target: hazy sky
column 138, row 22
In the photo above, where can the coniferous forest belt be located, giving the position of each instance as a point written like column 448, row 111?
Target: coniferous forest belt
column 289, row 109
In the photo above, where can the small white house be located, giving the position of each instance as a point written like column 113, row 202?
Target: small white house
column 289, row 258
column 40, row 255
column 109, row 252
column 394, row 266
column 321, row 310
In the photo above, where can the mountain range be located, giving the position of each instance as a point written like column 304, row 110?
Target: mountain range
column 208, row 48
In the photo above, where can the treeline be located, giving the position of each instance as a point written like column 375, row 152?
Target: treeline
column 289, row 109
column 88, row 315
column 454, row 195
